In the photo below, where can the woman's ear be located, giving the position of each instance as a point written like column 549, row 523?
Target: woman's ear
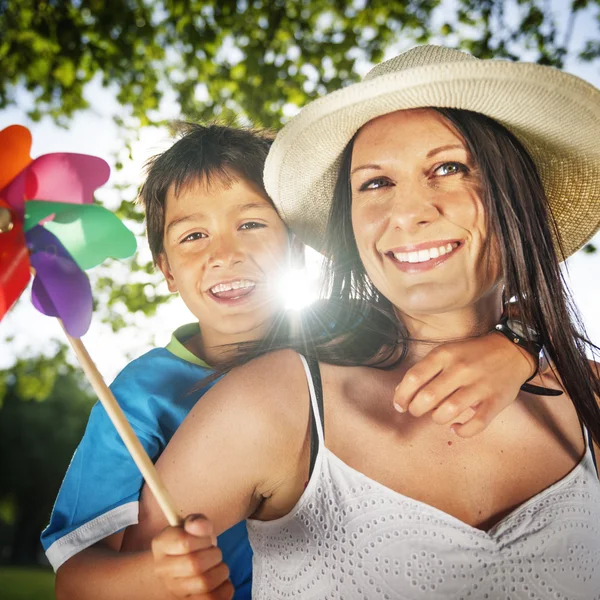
column 297, row 252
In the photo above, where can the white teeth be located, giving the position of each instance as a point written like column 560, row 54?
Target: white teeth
column 233, row 285
column 419, row 256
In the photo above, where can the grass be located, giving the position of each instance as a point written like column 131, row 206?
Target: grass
column 23, row 583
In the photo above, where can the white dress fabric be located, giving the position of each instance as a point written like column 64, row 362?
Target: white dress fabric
column 350, row 537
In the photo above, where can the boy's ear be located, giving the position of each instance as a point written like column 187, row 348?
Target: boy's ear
column 163, row 264
column 297, row 252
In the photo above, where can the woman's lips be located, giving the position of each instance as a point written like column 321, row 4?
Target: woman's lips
column 424, row 259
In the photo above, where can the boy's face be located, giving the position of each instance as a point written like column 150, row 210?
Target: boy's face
column 225, row 250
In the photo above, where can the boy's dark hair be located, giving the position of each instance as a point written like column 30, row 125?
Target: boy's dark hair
column 203, row 152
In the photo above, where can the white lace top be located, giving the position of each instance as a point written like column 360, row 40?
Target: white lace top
column 351, row 537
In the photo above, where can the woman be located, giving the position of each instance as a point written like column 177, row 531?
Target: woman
column 437, row 213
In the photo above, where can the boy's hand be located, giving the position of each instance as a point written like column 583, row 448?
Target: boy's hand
column 484, row 374
column 189, row 563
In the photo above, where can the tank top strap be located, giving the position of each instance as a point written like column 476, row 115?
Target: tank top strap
column 317, row 420
column 590, row 444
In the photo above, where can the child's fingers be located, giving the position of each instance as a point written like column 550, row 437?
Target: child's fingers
column 457, row 403
column 414, row 379
column 224, row 592
column 174, row 541
column 199, row 526
column 189, row 565
column 433, row 393
column 484, row 415
column 206, row 583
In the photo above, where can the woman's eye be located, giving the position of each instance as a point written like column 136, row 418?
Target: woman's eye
column 251, row 225
column 192, row 237
column 450, row 168
column 375, row 184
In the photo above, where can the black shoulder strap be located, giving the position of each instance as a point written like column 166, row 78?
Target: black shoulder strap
column 315, row 373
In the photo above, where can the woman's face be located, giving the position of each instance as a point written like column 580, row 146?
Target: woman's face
column 417, row 214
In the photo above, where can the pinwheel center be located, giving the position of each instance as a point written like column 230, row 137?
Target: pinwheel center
column 6, row 222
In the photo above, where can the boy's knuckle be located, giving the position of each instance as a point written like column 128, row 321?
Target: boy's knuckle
column 412, row 379
column 428, row 396
column 444, row 354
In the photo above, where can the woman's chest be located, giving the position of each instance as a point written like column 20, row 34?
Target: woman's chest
column 351, row 537
column 478, row 480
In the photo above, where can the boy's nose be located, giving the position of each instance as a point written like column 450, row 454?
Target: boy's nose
column 225, row 253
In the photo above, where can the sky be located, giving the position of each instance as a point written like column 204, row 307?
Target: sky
column 25, row 332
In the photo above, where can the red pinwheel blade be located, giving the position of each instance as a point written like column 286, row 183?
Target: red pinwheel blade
column 60, row 288
column 15, row 145
column 14, row 267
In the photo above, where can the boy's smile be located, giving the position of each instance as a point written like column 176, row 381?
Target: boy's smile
column 232, row 291
column 225, row 250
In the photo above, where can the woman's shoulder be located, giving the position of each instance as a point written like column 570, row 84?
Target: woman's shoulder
column 266, row 388
column 266, row 375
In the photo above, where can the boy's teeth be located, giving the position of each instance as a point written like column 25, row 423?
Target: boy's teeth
column 419, row 256
column 233, row 285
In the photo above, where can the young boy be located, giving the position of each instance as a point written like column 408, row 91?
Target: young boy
column 220, row 243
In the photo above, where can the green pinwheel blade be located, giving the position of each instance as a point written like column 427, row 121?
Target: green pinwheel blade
column 89, row 232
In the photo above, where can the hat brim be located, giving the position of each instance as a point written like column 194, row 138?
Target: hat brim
column 555, row 115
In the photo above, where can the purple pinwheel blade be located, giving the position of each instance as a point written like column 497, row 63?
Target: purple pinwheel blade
column 39, row 239
column 61, row 289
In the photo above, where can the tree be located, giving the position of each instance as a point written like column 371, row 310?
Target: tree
column 232, row 57
column 257, row 60
column 37, row 440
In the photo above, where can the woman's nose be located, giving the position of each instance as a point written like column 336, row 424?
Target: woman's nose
column 412, row 209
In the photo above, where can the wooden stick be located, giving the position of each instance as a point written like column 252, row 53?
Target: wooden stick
column 131, row 441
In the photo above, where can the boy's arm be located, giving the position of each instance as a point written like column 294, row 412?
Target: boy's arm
column 98, row 499
column 100, row 491
column 101, row 572
column 484, row 373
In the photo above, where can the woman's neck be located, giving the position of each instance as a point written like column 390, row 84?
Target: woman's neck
column 431, row 330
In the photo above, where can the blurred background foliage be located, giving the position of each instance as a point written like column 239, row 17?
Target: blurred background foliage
column 250, row 61
column 36, row 444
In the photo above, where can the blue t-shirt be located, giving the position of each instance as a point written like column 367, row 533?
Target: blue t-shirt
column 100, row 492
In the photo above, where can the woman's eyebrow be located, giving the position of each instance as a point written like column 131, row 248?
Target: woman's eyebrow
column 364, row 167
column 431, row 153
column 435, row 151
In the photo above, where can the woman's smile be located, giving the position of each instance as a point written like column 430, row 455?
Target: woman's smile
column 423, row 257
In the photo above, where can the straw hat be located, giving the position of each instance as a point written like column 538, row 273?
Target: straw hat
column 556, row 116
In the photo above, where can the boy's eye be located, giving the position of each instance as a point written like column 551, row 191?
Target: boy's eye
column 450, row 168
column 252, row 225
column 197, row 235
column 375, row 184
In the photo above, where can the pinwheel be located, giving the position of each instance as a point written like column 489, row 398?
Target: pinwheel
column 50, row 227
